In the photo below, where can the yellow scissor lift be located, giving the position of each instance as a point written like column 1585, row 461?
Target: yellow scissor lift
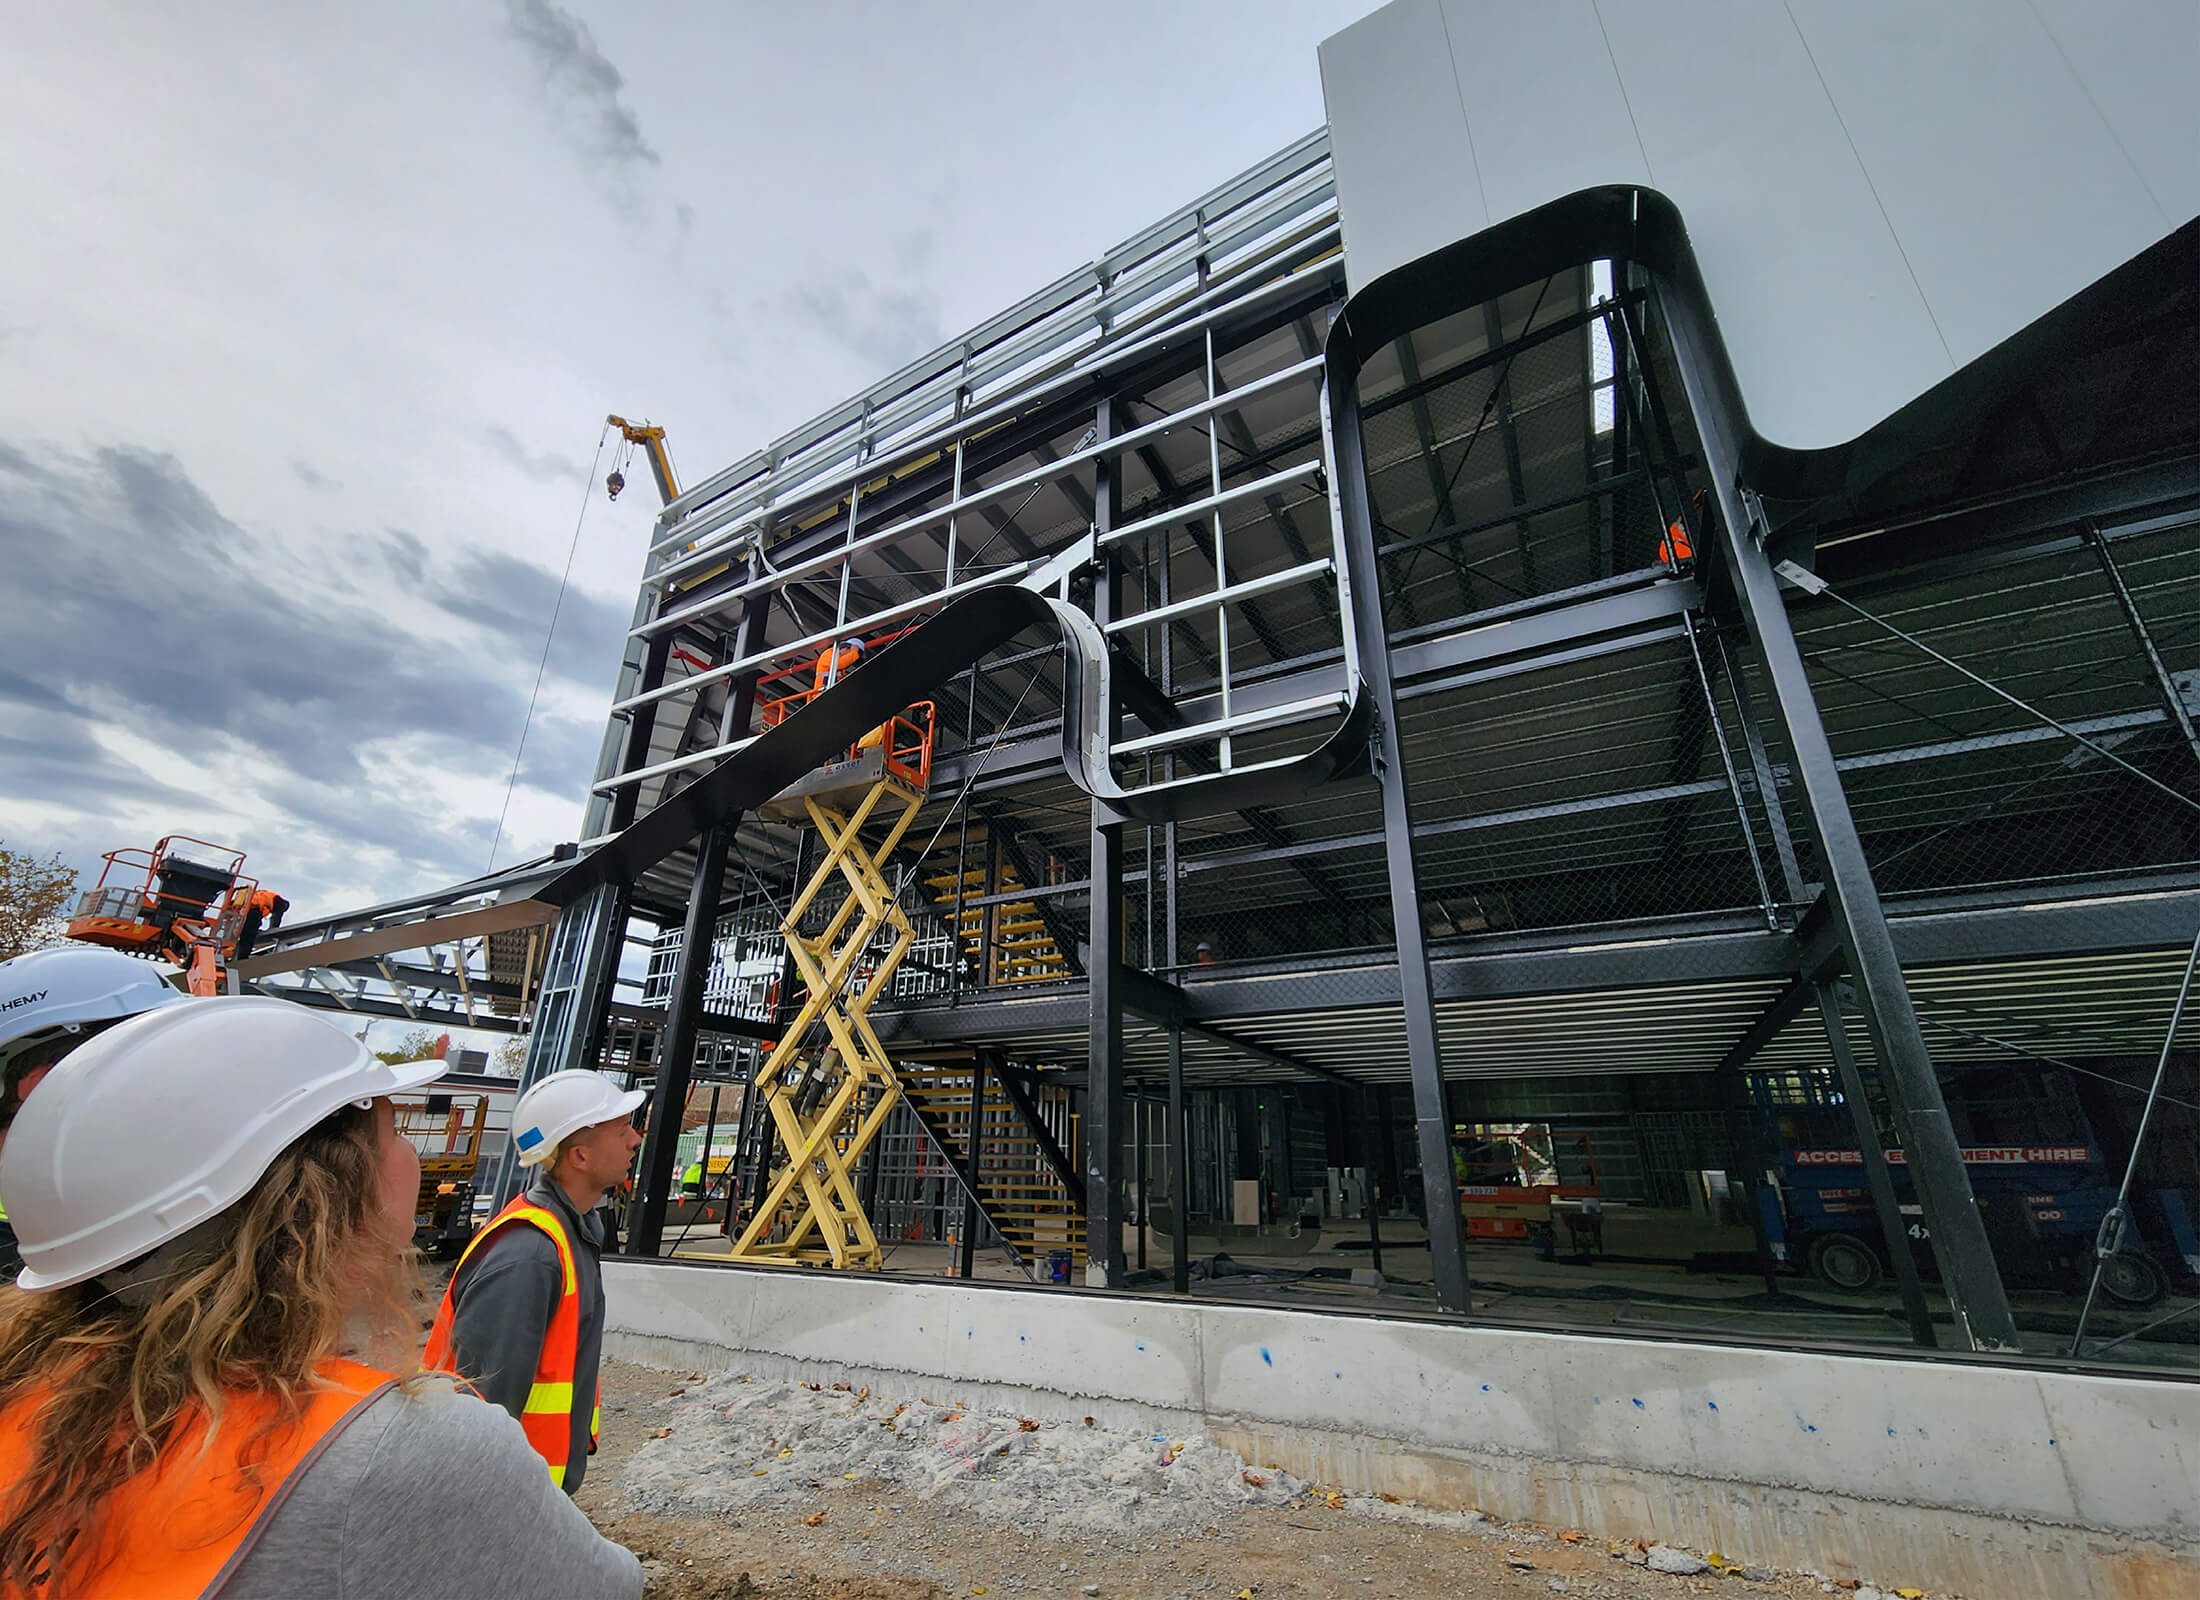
column 826, row 1105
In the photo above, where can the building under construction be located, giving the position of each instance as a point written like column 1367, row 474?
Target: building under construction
column 1328, row 739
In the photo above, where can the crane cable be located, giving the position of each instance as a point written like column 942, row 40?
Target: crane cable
column 588, row 489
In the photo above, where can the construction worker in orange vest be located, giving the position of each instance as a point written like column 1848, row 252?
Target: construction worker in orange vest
column 1676, row 549
column 835, row 662
column 263, row 906
column 216, row 1190
column 522, row 1320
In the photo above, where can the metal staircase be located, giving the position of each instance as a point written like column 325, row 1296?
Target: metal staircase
column 1004, row 940
column 1023, row 1170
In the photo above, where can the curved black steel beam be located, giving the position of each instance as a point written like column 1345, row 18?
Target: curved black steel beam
column 965, row 631
column 1641, row 225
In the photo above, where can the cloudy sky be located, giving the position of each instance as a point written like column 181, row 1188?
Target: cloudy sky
column 310, row 316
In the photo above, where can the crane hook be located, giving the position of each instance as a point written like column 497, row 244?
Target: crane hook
column 615, row 482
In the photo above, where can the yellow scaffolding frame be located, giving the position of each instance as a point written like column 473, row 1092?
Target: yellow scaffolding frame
column 821, row 1146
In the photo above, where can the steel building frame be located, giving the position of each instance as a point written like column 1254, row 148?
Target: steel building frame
column 1606, row 811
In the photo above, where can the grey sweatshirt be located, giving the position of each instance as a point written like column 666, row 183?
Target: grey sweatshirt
column 502, row 1299
column 426, row 1495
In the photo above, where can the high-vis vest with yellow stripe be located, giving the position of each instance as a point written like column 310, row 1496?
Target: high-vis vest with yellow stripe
column 548, row 1416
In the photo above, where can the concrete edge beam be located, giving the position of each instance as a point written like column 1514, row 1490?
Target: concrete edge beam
column 1977, row 1479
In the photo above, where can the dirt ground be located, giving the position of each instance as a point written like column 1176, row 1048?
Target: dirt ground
column 855, row 1536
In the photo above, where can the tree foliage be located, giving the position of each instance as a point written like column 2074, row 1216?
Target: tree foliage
column 34, row 900
column 417, row 1045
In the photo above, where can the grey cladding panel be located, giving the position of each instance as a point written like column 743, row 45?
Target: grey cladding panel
column 2001, row 179
column 1516, row 64
column 1771, row 133
column 1414, row 166
column 1878, row 190
column 2139, row 61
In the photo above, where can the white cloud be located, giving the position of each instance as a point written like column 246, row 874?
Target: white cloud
column 312, row 316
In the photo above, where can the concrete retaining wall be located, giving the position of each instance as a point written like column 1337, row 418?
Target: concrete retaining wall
column 1990, row 1482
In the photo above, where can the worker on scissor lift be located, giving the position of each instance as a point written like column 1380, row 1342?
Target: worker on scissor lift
column 835, row 662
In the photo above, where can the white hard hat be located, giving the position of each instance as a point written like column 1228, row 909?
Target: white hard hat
column 141, row 1134
column 560, row 1106
column 61, row 990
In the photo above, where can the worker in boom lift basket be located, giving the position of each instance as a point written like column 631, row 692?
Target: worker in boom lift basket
column 51, row 1001
column 261, row 905
column 198, row 1389
column 522, row 1320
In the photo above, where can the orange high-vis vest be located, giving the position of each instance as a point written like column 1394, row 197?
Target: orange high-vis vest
column 1675, row 548
column 180, row 1530
column 833, row 664
column 548, row 1416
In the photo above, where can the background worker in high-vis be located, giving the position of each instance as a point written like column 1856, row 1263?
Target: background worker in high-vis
column 522, row 1320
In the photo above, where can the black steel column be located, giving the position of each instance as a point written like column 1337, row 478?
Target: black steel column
column 1967, row 1268
column 1424, row 1053
column 676, row 1045
column 641, row 728
column 1876, row 1177
column 698, row 944
column 1180, row 1227
column 1103, row 1130
column 2157, row 669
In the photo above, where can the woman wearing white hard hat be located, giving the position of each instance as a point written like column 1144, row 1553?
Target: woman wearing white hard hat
column 215, row 1211
column 51, row 1001
column 522, row 1320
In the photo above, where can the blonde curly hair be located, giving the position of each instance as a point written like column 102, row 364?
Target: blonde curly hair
column 303, row 1266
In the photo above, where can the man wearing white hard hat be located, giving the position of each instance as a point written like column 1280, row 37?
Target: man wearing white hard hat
column 522, row 1320
column 215, row 1195
column 51, row 1001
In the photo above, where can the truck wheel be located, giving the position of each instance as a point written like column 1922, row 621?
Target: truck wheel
column 2133, row 1280
column 1840, row 1262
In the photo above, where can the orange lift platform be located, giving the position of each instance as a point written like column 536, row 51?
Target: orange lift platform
column 827, row 1099
column 185, row 900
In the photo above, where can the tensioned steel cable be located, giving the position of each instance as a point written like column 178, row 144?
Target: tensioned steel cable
column 2109, row 1241
column 588, row 489
column 1810, row 583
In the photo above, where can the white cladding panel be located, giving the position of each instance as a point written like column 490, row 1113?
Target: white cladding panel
column 1878, row 191
column 1412, row 167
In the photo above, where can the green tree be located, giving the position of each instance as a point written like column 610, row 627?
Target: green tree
column 511, row 1055
column 417, row 1045
column 34, row 899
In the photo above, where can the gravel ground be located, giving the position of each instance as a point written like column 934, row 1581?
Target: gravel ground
column 764, row 1490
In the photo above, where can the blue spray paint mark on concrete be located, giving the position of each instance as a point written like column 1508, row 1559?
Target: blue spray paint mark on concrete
column 1713, row 1404
column 1639, row 1406
column 1805, row 1426
column 1266, row 1359
column 1485, row 1388
column 1141, row 1347
column 1890, row 1433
